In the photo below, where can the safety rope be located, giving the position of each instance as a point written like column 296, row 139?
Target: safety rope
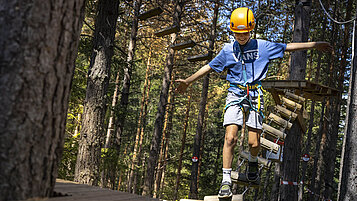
column 335, row 21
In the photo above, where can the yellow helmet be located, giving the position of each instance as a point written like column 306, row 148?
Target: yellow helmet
column 242, row 20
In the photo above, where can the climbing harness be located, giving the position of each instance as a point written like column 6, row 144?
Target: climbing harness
column 256, row 86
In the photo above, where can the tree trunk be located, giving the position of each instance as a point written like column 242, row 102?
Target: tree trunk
column 311, row 124
column 197, row 140
column 39, row 40
column 138, row 137
column 316, row 154
column 164, row 141
column 166, row 152
column 155, row 144
column 183, row 142
column 111, row 129
column 89, row 151
column 292, row 148
column 202, row 147
column 124, row 99
column 196, row 147
column 348, row 184
column 140, row 153
column 330, row 156
column 275, row 192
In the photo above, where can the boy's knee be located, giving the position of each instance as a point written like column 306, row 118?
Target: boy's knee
column 254, row 143
column 231, row 140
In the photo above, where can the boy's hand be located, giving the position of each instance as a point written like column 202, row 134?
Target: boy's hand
column 182, row 85
column 323, row 46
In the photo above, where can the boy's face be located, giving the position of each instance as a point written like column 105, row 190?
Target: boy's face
column 242, row 38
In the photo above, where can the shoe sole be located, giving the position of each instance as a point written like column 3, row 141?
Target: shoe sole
column 225, row 196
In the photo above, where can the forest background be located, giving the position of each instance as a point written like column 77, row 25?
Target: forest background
column 125, row 99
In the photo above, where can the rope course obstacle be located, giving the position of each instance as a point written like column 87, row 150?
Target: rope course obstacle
column 289, row 97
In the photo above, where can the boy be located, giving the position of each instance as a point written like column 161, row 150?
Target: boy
column 247, row 62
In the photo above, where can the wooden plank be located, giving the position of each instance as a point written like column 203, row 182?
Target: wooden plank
column 82, row 192
column 285, row 112
column 167, row 31
column 269, row 145
column 280, row 121
column 284, row 84
column 275, row 95
column 302, row 123
column 183, row 45
column 261, row 160
column 274, row 132
column 294, row 97
column 238, row 197
column 291, row 104
column 316, row 91
column 203, row 57
column 150, row 13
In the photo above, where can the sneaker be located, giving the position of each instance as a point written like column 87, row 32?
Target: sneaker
column 225, row 190
column 252, row 171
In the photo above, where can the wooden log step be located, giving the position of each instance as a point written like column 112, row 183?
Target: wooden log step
column 274, row 132
column 238, row 197
column 202, row 57
column 291, row 104
column 261, row 160
column 285, row 112
column 241, row 178
column 167, row 31
column 150, row 13
column 280, row 121
column 183, row 45
column 269, row 145
column 294, row 97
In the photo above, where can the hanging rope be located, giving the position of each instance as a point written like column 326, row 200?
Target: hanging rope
column 329, row 16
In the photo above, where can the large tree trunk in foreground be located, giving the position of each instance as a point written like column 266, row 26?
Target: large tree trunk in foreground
column 92, row 133
column 39, row 42
column 348, row 183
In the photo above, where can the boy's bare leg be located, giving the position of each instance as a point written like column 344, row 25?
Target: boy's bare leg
column 254, row 146
column 254, row 140
column 230, row 142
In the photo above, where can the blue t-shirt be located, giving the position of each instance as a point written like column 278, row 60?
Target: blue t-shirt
column 256, row 55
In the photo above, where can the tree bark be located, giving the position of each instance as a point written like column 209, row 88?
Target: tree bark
column 39, row 40
column 348, row 184
column 92, row 133
column 333, row 131
column 124, row 99
column 138, row 137
column 196, row 147
column 292, row 148
column 197, row 140
column 183, row 143
column 155, row 143
column 316, row 154
column 164, row 141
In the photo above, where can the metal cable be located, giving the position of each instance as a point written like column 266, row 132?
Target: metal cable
column 335, row 21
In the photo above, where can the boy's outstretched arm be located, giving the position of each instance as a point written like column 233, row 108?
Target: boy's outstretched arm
column 183, row 84
column 322, row 46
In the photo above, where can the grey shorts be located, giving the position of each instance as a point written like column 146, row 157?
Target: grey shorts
column 234, row 113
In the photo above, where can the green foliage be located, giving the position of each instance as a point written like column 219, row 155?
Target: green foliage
column 275, row 23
